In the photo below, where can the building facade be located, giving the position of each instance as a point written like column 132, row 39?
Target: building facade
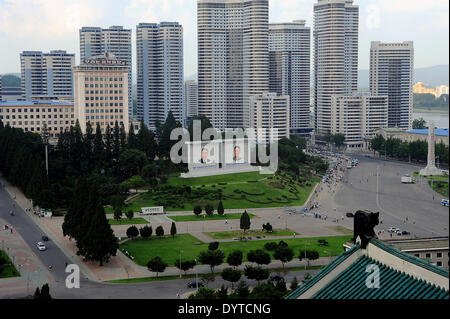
column 233, row 59
column 46, row 74
column 434, row 250
column 190, row 99
column 116, row 40
column 101, row 94
column 290, row 69
column 30, row 116
column 336, row 24
column 270, row 111
column 11, row 93
column 419, row 88
column 160, row 82
column 391, row 74
column 441, row 135
column 358, row 116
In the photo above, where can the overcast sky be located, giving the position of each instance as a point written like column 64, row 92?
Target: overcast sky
column 53, row 24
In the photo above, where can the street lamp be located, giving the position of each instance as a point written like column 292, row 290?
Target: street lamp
column 196, row 274
column 180, row 262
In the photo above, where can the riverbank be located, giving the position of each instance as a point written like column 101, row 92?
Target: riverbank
column 431, row 110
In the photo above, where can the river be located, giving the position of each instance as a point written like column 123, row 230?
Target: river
column 440, row 118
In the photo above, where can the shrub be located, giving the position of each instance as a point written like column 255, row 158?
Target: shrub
column 271, row 246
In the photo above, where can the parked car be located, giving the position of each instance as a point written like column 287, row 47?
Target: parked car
column 276, row 278
column 350, row 215
column 445, row 203
column 193, row 284
column 41, row 246
column 45, row 238
column 406, row 233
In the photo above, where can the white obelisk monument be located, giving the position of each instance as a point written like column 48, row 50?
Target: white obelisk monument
column 431, row 168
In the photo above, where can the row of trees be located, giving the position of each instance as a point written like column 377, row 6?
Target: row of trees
column 214, row 257
column 105, row 158
column 415, row 151
column 147, row 231
column 430, row 101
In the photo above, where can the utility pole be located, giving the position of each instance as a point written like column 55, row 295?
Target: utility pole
column 45, row 137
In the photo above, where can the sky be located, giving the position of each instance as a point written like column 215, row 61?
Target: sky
column 45, row 25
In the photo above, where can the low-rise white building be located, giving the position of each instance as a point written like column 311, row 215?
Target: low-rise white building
column 30, row 116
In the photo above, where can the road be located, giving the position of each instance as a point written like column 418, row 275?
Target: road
column 375, row 185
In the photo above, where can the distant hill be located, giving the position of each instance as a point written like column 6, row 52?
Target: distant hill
column 430, row 76
column 10, row 80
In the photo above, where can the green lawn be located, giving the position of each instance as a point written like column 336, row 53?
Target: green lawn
column 440, row 187
column 8, row 271
column 126, row 221
column 438, row 183
column 251, row 233
column 204, row 217
column 239, row 191
column 169, row 249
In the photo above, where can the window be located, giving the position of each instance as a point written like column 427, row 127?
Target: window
column 439, row 255
column 428, row 255
column 439, row 263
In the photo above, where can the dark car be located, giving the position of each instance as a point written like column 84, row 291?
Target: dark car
column 406, row 233
column 276, row 278
column 193, row 284
column 45, row 238
column 350, row 215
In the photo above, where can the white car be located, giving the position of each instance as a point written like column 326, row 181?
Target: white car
column 393, row 229
column 41, row 246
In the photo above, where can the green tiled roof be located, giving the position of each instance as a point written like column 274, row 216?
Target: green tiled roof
column 325, row 271
column 351, row 284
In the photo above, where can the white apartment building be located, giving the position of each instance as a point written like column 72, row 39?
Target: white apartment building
column 233, row 59
column 160, row 70
column 30, row 116
column 270, row 111
column 335, row 34
column 391, row 74
column 358, row 116
column 290, row 69
column 441, row 89
column 101, row 94
column 116, row 40
column 191, row 98
column 46, row 74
